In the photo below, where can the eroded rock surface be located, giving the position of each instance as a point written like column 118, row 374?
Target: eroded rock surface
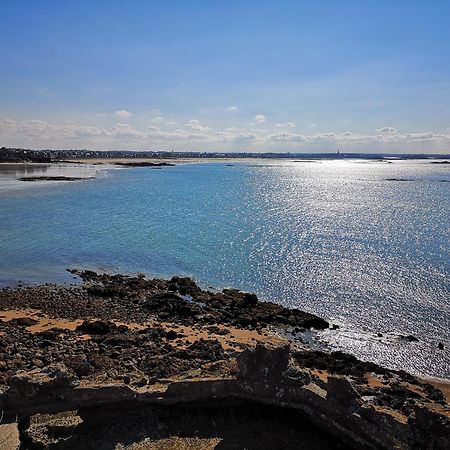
column 118, row 348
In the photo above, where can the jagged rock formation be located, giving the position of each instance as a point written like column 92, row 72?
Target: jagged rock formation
column 266, row 375
column 124, row 349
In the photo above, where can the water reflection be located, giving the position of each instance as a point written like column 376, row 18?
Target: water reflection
column 10, row 174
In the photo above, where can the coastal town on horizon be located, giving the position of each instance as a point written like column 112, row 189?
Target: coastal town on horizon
column 42, row 155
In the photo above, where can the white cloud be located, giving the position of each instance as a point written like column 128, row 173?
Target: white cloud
column 287, row 137
column 285, row 125
column 232, row 108
column 86, row 132
column 125, row 131
column 386, row 130
column 157, row 119
column 244, row 137
column 42, row 134
column 322, row 137
column 123, row 114
column 197, row 126
column 260, row 118
column 424, row 136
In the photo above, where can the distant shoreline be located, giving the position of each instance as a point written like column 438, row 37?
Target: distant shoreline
column 158, row 162
column 11, row 155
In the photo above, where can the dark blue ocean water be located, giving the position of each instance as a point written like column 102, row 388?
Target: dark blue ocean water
column 338, row 238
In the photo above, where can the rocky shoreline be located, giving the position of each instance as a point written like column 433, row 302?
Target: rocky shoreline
column 55, row 178
column 144, row 164
column 135, row 345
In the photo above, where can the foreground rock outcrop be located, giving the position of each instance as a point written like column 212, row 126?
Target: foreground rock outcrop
column 118, row 360
column 388, row 411
column 266, row 375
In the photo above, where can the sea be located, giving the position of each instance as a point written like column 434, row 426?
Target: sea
column 363, row 243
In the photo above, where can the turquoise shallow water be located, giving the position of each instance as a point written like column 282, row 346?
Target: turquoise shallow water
column 333, row 237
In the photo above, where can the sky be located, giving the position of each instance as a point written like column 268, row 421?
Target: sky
column 278, row 76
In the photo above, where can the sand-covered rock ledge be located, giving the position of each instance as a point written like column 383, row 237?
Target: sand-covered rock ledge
column 130, row 362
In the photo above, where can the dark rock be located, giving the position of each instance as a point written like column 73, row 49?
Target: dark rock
column 120, row 340
column 263, row 363
column 112, row 373
column 184, row 285
column 171, row 335
column 206, row 349
column 220, row 331
column 434, row 394
column 142, row 382
column 97, row 327
column 341, row 391
column 144, row 164
column 315, row 322
column 429, row 429
column 81, row 368
column 250, row 299
column 336, row 362
column 115, row 355
column 55, row 178
column 28, row 383
column 244, row 320
column 23, row 321
column 50, row 335
column 408, row 338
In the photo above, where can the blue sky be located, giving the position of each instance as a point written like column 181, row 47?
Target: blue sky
column 212, row 75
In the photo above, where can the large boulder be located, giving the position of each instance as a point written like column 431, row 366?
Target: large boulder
column 429, row 429
column 97, row 327
column 30, row 383
column 263, row 363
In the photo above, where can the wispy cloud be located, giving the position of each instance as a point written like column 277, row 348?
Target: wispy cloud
column 232, row 108
column 260, row 118
column 287, row 137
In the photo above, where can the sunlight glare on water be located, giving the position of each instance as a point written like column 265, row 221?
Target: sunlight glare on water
column 362, row 243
